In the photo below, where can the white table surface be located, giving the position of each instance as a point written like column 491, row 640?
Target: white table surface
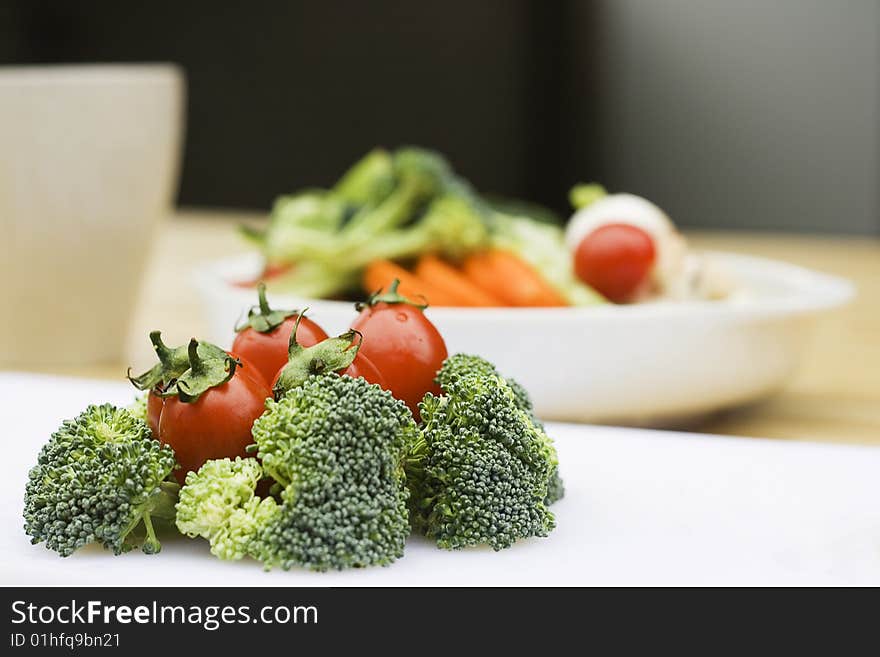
column 642, row 508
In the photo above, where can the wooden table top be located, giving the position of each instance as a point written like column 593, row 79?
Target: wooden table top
column 834, row 397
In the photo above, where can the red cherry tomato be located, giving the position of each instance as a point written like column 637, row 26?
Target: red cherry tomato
column 405, row 347
column 218, row 424
column 615, row 260
column 363, row 366
column 154, row 409
column 267, row 352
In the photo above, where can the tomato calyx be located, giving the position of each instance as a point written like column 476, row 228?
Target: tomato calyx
column 263, row 318
column 330, row 355
column 204, row 373
column 173, row 362
column 392, row 296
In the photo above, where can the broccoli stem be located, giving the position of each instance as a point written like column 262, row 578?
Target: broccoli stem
column 395, row 244
column 159, row 505
column 366, row 178
column 318, row 280
column 151, row 543
column 165, row 500
column 389, row 214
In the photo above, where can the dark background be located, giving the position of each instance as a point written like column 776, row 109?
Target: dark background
column 755, row 115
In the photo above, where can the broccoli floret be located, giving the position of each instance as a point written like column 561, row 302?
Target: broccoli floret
column 480, row 470
column 138, row 408
column 459, row 366
column 555, row 487
column 464, row 365
column 219, row 504
column 335, row 447
column 101, row 478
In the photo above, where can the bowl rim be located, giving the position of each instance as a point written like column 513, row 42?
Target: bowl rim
column 812, row 292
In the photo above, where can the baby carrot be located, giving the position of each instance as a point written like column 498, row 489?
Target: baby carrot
column 510, row 279
column 379, row 274
column 447, row 278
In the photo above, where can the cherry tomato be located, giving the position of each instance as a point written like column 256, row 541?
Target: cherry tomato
column 405, row 347
column 154, row 409
column 218, row 424
column 267, row 352
column 615, row 260
column 363, row 366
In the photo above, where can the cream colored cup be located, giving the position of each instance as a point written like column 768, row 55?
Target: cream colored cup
column 88, row 167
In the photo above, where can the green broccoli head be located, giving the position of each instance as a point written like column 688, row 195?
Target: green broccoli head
column 555, row 487
column 462, row 365
column 101, row 478
column 479, row 474
column 459, row 367
column 138, row 408
column 219, row 504
column 336, row 445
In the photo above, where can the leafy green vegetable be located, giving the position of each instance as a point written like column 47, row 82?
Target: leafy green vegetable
column 101, row 478
column 368, row 181
column 388, row 206
column 303, row 226
column 398, row 206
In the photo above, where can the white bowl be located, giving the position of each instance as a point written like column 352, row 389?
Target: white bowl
column 647, row 363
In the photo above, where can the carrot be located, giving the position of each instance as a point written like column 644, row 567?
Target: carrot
column 447, row 278
column 381, row 273
column 510, row 279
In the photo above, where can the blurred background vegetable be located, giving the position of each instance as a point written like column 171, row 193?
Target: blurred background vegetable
column 408, row 207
